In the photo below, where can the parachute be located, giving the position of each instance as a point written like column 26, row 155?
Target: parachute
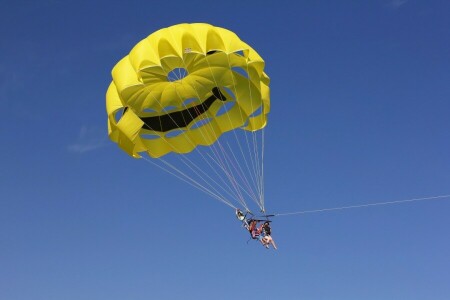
column 195, row 99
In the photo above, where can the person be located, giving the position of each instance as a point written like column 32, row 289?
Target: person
column 255, row 231
column 267, row 239
column 266, row 228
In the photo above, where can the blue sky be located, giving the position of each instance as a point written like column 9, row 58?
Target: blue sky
column 360, row 99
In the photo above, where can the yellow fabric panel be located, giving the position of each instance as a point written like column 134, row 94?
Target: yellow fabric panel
column 124, row 75
column 113, row 104
column 177, row 68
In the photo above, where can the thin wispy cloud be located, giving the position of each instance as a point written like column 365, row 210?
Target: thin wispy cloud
column 89, row 139
column 396, row 4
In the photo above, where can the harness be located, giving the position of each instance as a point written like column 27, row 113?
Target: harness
column 251, row 224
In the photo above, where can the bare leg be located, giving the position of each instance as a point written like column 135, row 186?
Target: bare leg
column 269, row 240
column 273, row 243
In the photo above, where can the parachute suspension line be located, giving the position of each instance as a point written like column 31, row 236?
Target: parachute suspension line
column 199, row 152
column 244, row 157
column 184, row 160
column 186, row 178
column 188, row 163
column 219, row 160
column 232, row 179
column 254, row 159
column 241, row 174
column 224, row 166
column 258, row 169
column 194, row 182
column 229, row 162
column 258, row 166
column 182, row 176
column 262, row 171
column 227, row 159
column 364, row 205
column 219, row 149
column 238, row 197
column 238, row 185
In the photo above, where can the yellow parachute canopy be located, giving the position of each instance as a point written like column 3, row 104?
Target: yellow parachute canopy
column 184, row 86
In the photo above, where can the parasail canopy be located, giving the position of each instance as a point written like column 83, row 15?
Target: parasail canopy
column 184, row 86
column 176, row 96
